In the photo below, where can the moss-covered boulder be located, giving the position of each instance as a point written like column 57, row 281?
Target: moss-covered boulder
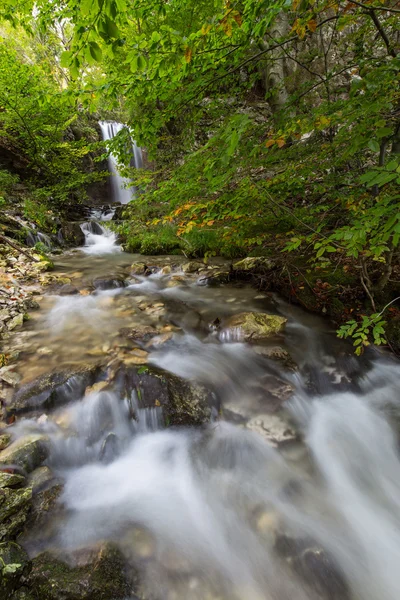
column 138, row 268
column 5, row 440
column 14, row 563
column 15, row 505
column 27, row 453
column 252, row 263
column 95, row 575
column 72, row 234
column 192, row 267
column 253, row 326
column 53, row 389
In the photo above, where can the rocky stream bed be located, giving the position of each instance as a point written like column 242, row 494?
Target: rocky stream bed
column 168, row 431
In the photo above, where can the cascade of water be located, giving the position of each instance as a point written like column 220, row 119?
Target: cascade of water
column 121, row 193
column 99, row 239
column 33, row 237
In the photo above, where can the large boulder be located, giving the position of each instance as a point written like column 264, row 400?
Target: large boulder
column 253, row 326
column 72, row 234
column 97, row 574
column 53, row 389
column 181, row 402
column 14, row 563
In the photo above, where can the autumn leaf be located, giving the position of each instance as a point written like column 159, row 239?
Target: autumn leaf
column 269, row 143
column 280, row 142
column 188, row 54
column 205, row 29
column 312, row 25
column 237, row 17
column 210, row 223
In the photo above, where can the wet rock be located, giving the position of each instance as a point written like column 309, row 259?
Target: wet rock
column 315, row 566
column 96, row 575
column 192, row 267
column 139, row 333
column 108, row 283
column 44, row 503
column 138, row 268
column 215, row 278
column 11, row 480
column 253, row 326
column 16, row 321
column 4, row 315
column 273, row 428
column 15, row 505
column 27, row 453
column 9, row 376
column 182, row 402
column 39, row 478
column 252, row 263
column 23, row 593
column 14, row 563
column 96, row 387
column 68, row 290
column 277, row 354
column 52, row 389
column 166, row 270
column 5, row 440
column 72, row 234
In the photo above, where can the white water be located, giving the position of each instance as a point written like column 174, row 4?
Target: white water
column 214, row 504
column 122, row 191
column 99, row 239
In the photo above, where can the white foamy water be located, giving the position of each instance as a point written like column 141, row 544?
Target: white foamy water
column 228, row 516
column 99, row 240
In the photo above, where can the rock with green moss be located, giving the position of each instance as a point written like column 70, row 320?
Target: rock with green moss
column 138, row 268
column 192, row 267
column 26, row 453
column 253, row 326
column 253, row 263
column 14, row 563
column 53, row 389
column 72, row 234
column 15, row 505
column 98, row 574
column 11, row 480
column 5, row 440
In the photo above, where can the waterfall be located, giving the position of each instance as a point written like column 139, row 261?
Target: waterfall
column 120, row 192
column 33, row 237
column 98, row 239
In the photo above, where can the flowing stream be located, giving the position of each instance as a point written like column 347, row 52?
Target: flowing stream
column 292, row 490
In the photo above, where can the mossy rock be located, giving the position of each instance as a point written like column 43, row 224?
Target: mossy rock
column 101, row 576
column 27, row 453
column 14, row 563
column 253, row 326
column 72, row 234
column 50, row 389
column 253, row 263
column 14, row 509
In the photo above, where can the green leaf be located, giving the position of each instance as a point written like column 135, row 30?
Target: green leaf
column 65, row 59
column 373, row 145
column 95, row 51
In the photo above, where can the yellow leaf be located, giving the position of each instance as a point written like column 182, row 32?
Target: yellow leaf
column 205, row 29
column 210, row 223
column 312, row 25
column 188, row 205
column 280, row 143
column 227, row 27
column 269, row 143
column 188, row 54
column 157, row 403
